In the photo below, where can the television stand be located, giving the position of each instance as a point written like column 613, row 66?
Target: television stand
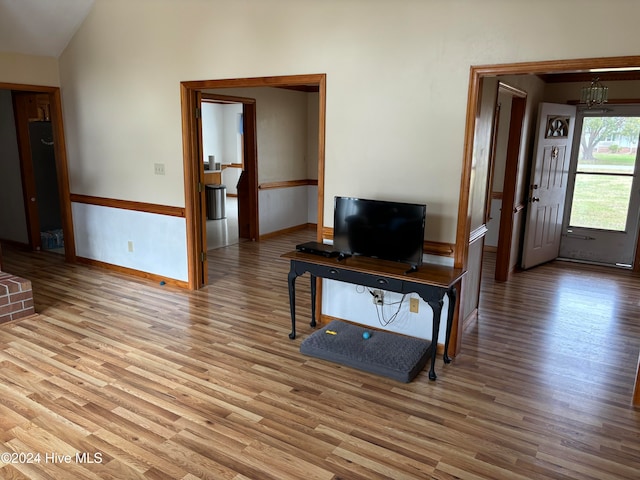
column 431, row 282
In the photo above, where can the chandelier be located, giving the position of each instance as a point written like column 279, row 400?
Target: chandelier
column 594, row 94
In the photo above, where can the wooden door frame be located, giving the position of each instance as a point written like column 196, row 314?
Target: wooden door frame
column 60, row 153
column 20, row 111
column 193, row 207
column 636, row 390
column 248, row 213
column 476, row 75
column 509, row 206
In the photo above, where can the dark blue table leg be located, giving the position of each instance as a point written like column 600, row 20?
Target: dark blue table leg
column 313, row 301
column 452, row 308
column 292, row 301
column 436, row 308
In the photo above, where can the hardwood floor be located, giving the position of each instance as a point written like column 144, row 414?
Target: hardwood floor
column 153, row 382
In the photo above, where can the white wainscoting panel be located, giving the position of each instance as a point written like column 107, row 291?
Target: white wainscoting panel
column 159, row 241
column 312, row 204
column 354, row 303
column 282, row 208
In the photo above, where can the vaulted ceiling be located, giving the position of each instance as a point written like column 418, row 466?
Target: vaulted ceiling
column 45, row 27
column 40, row 27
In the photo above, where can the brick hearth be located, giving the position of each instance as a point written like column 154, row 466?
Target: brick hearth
column 16, row 298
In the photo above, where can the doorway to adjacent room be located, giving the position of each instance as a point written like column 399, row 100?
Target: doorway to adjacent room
column 223, row 159
column 195, row 205
column 40, row 182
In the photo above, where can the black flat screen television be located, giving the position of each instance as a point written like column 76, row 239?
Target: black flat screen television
column 380, row 229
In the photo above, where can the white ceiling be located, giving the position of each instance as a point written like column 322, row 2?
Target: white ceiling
column 45, row 27
column 40, row 27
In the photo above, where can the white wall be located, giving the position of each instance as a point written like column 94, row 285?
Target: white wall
column 220, row 135
column 313, row 112
column 130, row 75
column 360, row 301
column 280, row 208
column 212, row 131
column 536, row 91
column 29, row 70
column 13, row 222
column 232, row 146
column 282, row 131
column 396, row 91
column 232, row 138
column 493, row 225
column 221, row 138
column 499, row 164
column 312, row 204
column 287, row 144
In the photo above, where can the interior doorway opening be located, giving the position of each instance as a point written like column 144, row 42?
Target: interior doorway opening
column 39, row 169
column 195, row 206
column 467, row 257
column 624, row 68
column 224, row 164
column 504, row 207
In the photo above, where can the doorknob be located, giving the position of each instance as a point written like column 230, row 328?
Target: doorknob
column 534, row 199
column 534, row 186
column 33, row 199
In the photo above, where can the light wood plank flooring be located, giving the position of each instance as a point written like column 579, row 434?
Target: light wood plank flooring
column 153, row 382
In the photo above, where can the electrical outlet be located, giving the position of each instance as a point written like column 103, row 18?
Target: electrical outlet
column 158, row 168
column 378, row 297
column 414, row 303
column 130, row 246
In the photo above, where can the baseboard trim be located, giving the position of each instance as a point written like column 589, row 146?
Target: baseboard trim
column 304, row 226
column 439, row 249
column 133, row 272
column 470, row 319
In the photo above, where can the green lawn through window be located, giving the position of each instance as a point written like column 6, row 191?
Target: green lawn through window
column 602, row 201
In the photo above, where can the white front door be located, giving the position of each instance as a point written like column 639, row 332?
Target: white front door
column 603, row 200
column 548, row 183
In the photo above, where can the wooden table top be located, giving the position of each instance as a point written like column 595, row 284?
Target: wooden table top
column 428, row 273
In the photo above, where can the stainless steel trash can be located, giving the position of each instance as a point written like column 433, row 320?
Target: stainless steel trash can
column 216, row 198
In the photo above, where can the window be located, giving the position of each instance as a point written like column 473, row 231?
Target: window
column 604, row 173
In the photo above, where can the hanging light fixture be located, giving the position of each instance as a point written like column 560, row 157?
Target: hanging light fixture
column 594, row 94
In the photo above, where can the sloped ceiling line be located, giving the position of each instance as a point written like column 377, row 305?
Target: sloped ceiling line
column 40, row 27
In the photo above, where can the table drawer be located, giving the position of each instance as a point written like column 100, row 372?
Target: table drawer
column 358, row 278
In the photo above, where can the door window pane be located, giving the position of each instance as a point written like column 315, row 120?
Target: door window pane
column 608, row 144
column 601, row 201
